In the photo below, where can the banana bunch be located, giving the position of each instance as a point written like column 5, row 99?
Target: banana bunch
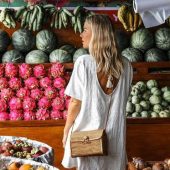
column 131, row 21
column 79, row 16
column 60, row 18
column 31, row 17
column 7, row 18
column 168, row 21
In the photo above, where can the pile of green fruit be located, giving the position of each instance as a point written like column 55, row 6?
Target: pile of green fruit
column 148, row 100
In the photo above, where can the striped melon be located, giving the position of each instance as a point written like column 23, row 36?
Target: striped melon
column 142, row 39
column 79, row 52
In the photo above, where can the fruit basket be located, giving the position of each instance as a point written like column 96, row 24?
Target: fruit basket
column 24, row 148
column 7, row 163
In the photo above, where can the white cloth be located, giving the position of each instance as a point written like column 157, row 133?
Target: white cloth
column 152, row 12
column 84, row 85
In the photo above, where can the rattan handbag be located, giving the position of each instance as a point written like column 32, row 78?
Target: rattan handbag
column 89, row 143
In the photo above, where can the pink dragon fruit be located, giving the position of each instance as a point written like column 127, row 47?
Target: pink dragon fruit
column 7, row 93
column 39, row 71
column 45, row 82
column 67, row 76
column 3, row 105
column 16, row 115
column 23, row 92
column 44, row 102
column 67, row 101
column 56, row 114
column 31, row 83
column 42, row 114
column 57, row 70
column 59, row 83
column 29, row 103
column 58, row 104
column 29, row 115
column 61, row 92
column 15, row 83
column 3, row 83
column 15, row 103
column 1, row 70
column 11, row 70
column 36, row 94
column 4, row 116
column 25, row 71
column 65, row 113
column 50, row 92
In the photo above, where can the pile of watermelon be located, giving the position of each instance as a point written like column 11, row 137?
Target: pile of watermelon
column 149, row 47
column 42, row 48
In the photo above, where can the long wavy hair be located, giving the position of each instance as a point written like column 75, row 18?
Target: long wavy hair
column 103, row 46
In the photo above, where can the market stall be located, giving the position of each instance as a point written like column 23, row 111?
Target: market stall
column 146, row 137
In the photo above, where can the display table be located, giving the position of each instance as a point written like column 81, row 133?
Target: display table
column 148, row 138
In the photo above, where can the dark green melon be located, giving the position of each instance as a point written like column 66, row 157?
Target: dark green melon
column 23, row 40
column 13, row 56
column 162, row 38
column 69, row 48
column 61, row 56
column 132, row 54
column 154, row 55
column 46, row 41
column 36, row 57
column 142, row 39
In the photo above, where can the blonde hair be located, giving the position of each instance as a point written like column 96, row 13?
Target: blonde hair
column 103, row 46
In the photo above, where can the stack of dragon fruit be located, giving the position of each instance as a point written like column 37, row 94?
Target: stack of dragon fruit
column 33, row 92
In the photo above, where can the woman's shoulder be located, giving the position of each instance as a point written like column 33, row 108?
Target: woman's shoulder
column 84, row 59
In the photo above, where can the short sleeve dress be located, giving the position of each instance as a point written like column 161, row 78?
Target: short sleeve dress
column 84, row 85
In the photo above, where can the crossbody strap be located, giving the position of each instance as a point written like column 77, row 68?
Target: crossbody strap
column 106, row 115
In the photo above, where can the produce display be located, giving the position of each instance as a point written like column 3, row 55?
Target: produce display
column 148, row 100
column 32, row 17
column 24, row 148
column 33, row 92
column 140, row 164
column 8, row 163
column 153, row 47
column 21, row 149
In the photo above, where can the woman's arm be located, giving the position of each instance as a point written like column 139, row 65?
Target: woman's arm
column 73, row 110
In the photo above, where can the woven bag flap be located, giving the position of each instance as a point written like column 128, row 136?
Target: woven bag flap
column 87, row 135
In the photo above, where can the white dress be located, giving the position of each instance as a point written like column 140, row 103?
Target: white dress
column 84, row 85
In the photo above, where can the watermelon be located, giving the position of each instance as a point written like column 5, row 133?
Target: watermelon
column 132, row 54
column 23, row 40
column 13, row 56
column 142, row 39
column 36, row 57
column 162, row 38
column 46, row 41
column 4, row 40
column 69, row 48
column 61, row 56
column 154, row 55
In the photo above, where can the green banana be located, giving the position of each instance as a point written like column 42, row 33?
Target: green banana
column 39, row 17
column 23, row 22
column 56, row 20
column 67, row 12
column 53, row 19
column 34, row 14
column 20, row 12
column 2, row 15
column 77, row 10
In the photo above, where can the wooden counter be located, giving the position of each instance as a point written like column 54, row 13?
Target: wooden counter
column 148, row 138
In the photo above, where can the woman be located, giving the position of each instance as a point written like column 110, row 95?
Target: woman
column 96, row 79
